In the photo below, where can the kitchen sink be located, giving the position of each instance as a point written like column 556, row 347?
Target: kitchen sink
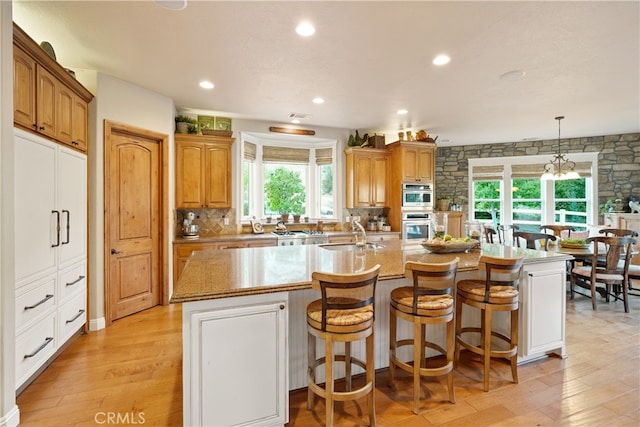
column 350, row 246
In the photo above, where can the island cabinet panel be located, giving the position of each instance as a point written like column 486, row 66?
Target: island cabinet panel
column 367, row 177
column 203, row 171
column 543, row 312
column 455, row 224
column 236, row 361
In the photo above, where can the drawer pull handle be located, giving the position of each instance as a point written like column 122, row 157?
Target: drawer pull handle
column 80, row 312
column 39, row 349
column 42, row 301
column 79, row 279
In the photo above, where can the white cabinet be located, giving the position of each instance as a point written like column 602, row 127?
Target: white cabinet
column 50, row 248
column 235, row 361
column 542, row 310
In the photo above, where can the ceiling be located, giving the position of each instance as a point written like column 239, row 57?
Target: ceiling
column 369, row 59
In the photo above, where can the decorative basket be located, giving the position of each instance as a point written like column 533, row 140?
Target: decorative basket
column 215, row 132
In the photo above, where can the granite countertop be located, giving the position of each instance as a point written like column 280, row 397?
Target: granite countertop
column 225, row 273
column 269, row 235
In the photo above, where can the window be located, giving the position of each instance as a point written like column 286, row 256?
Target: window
column 308, row 166
column 510, row 188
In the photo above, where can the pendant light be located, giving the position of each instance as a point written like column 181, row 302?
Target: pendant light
column 560, row 167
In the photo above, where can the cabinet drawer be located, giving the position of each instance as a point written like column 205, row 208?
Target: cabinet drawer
column 34, row 347
column 35, row 303
column 71, row 316
column 72, row 281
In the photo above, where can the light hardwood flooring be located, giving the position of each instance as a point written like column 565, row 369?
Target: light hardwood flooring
column 132, row 370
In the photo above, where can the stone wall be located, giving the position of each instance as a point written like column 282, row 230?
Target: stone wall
column 618, row 163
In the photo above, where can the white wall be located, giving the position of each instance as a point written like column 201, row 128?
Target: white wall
column 119, row 101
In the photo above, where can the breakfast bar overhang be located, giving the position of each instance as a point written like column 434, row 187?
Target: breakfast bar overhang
column 244, row 328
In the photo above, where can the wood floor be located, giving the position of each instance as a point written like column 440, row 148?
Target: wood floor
column 131, row 372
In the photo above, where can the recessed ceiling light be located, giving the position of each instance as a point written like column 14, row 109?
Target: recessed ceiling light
column 172, row 4
column 402, row 111
column 318, row 100
column 305, row 29
column 295, row 121
column 206, row 84
column 441, row 60
column 513, row 75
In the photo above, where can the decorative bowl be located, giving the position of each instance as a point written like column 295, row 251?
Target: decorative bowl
column 573, row 245
column 447, row 248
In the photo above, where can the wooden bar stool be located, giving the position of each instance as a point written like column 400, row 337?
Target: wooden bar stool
column 430, row 301
column 498, row 291
column 345, row 313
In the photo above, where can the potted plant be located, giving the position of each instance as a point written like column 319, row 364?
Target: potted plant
column 185, row 124
column 284, row 192
column 607, row 207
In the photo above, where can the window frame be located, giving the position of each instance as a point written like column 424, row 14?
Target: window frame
column 256, row 190
column 546, row 187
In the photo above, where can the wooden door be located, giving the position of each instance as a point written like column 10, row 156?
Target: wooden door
column 46, row 102
column 190, row 175
column 64, row 114
column 379, row 178
column 363, row 168
column 409, row 164
column 24, row 89
column 133, row 165
column 79, row 124
column 217, row 176
column 425, row 165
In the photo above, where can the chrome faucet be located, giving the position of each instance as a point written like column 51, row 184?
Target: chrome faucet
column 362, row 243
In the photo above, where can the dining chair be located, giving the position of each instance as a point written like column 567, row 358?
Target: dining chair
column 558, row 229
column 619, row 232
column 503, row 233
column 634, row 274
column 533, row 240
column 490, row 233
column 612, row 272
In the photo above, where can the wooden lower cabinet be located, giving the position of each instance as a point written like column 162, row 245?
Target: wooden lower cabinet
column 229, row 380
column 455, row 224
column 182, row 250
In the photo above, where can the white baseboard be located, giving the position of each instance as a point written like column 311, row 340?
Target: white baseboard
column 96, row 324
column 11, row 418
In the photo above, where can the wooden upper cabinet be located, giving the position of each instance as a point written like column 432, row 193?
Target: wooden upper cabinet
column 24, row 89
column 417, row 163
column 203, row 171
column 367, row 177
column 47, row 100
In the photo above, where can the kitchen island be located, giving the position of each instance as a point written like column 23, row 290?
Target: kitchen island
column 244, row 327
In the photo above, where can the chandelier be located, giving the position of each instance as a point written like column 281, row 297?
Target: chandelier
column 560, row 167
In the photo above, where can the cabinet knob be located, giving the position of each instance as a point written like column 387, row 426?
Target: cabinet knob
column 281, row 306
column 41, row 128
column 114, row 252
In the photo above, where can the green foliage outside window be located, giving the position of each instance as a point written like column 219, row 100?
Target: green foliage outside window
column 284, row 192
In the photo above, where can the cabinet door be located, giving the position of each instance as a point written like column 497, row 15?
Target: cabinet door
column 35, row 206
column 46, row 103
column 237, row 351
column 425, row 164
column 362, row 169
column 24, row 89
column 409, row 164
column 217, row 176
column 542, row 315
column 79, row 124
column 64, row 114
column 72, row 203
column 189, row 175
column 379, row 178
